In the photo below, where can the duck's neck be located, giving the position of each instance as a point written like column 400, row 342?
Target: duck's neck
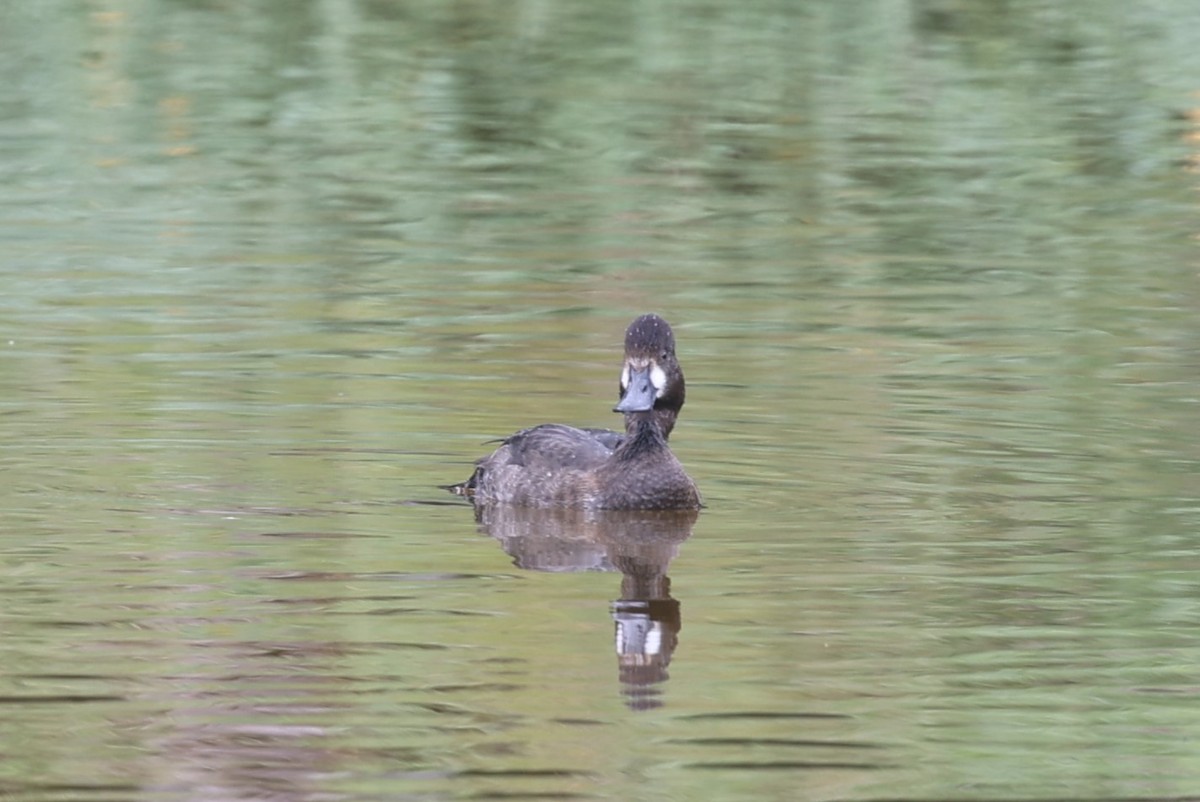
column 644, row 431
column 662, row 419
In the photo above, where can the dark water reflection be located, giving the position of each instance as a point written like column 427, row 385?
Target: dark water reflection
column 639, row 544
column 273, row 272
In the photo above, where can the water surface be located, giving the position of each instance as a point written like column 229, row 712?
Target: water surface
column 274, row 275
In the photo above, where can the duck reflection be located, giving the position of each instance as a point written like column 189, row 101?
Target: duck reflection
column 638, row 543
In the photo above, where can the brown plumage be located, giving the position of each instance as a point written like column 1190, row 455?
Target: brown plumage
column 554, row 465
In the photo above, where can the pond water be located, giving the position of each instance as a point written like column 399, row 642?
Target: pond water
column 273, row 274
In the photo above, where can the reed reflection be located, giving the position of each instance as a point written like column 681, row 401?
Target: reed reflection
column 638, row 543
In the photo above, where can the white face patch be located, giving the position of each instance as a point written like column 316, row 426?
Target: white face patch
column 658, row 378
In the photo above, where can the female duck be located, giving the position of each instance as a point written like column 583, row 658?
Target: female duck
column 554, row 465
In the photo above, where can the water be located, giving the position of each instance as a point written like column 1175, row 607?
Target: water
column 273, row 276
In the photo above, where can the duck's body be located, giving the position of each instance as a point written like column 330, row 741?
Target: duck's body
column 554, row 465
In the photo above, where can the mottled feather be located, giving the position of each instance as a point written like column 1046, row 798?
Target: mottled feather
column 554, row 465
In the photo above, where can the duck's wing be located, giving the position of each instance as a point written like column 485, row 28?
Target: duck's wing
column 608, row 437
column 538, row 465
column 555, row 447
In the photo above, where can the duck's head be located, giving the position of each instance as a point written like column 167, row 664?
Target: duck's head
column 651, row 379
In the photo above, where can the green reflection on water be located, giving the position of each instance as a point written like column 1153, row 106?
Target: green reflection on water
column 272, row 274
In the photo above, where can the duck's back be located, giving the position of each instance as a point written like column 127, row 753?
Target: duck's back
column 551, row 465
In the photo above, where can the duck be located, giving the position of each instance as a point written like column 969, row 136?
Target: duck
column 554, row 465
